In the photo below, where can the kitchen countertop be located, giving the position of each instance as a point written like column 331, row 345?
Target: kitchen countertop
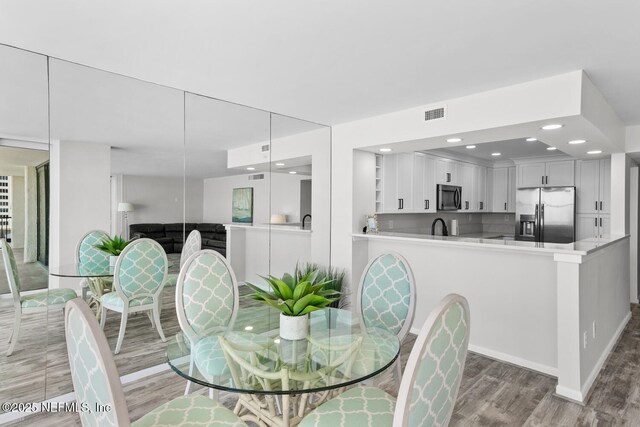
column 485, row 240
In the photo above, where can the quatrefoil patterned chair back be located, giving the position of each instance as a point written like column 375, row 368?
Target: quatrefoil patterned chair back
column 432, row 377
column 141, row 269
column 192, row 245
column 88, row 255
column 386, row 297
column 93, row 371
column 206, row 295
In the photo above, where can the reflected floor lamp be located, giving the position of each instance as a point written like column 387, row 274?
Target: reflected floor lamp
column 126, row 208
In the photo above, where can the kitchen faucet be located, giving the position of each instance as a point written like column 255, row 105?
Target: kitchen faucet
column 445, row 232
column 304, row 218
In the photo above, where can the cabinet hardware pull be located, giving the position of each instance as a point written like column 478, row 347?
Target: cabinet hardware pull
column 426, row 206
column 546, row 179
column 600, row 205
column 481, row 205
column 448, row 177
column 596, row 205
column 601, row 222
column 596, row 221
column 399, row 203
column 542, row 180
column 505, row 206
column 466, row 205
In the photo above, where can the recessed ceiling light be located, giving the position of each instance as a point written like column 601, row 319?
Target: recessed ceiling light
column 471, row 147
column 496, row 154
column 551, row 148
column 293, row 172
column 531, row 139
column 578, row 141
column 594, row 152
column 552, row 127
column 248, row 328
column 454, row 140
column 385, row 150
column 251, row 169
column 279, row 164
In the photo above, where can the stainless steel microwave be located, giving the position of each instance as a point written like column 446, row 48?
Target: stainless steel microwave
column 449, row 197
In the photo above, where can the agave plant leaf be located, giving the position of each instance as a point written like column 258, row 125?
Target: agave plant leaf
column 289, row 280
column 309, row 309
column 302, row 303
column 281, row 288
column 302, row 289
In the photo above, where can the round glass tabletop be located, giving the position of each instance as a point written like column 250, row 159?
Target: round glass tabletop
column 250, row 357
column 85, row 270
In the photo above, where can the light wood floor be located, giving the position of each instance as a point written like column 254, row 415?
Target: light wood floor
column 492, row 393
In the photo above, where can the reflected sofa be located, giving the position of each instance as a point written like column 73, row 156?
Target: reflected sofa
column 214, row 236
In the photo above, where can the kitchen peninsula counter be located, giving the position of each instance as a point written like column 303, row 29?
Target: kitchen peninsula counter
column 554, row 308
column 491, row 241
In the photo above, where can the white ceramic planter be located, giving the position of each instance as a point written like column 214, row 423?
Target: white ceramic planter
column 294, row 327
column 112, row 260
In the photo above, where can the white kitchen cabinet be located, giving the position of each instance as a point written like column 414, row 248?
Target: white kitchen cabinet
column 480, row 180
column 589, row 226
column 511, row 189
column 448, row 172
column 546, row 174
column 424, row 183
column 593, row 191
column 504, row 189
column 468, row 188
column 397, row 186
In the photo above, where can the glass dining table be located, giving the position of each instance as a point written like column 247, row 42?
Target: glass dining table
column 278, row 381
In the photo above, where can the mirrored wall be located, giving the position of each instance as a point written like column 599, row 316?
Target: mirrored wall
column 85, row 149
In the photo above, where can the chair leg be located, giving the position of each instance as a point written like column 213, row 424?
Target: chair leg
column 123, row 326
column 15, row 333
column 188, row 388
column 398, row 373
column 103, row 316
column 214, row 394
column 156, row 315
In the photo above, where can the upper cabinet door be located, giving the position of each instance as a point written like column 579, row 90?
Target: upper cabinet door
column 468, row 188
column 500, row 190
column 390, row 183
column 587, row 186
column 559, row 173
column 605, row 186
column 531, row 175
column 424, row 183
column 511, row 189
column 446, row 172
column 480, row 178
column 405, row 181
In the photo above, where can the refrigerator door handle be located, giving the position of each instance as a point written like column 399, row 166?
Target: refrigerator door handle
column 541, row 233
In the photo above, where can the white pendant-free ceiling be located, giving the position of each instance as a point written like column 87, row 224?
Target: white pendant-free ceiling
column 335, row 61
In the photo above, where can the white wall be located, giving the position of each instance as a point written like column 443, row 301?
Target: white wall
column 284, row 190
column 161, row 199
column 17, row 203
column 634, row 192
column 79, row 178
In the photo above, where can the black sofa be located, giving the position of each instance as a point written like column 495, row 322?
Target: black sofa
column 214, row 236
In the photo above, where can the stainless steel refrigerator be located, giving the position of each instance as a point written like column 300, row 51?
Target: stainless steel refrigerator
column 546, row 214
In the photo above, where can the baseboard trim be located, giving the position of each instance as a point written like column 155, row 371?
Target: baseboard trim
column 604, row 356
column 504, row 357
column 8, row 417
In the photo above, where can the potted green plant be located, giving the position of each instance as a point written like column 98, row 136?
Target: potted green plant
column 113, row 246
column 295, row 296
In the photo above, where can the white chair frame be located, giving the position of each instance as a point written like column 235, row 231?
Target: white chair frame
column 406, row 327
column 403, row 403
column 190, row 336
column 18, row 309
column 125, row 310
column 90, row 283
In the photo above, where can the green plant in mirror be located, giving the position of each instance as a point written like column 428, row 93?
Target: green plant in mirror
column 112, row 246
column 297, row 294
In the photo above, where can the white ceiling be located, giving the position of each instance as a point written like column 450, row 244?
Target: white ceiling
column 335, row 61
column 509, row 150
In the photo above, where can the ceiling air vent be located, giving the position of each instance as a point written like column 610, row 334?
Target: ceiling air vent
column 436, row 113
column 256, row 176
column 265, row 147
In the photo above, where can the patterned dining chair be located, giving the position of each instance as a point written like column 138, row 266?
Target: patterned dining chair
column 207, row 302
column 386, row 299
column 138, row 279
column 192, row 245
column 430, row 384
column 32, row 303
column 97, row 384
column 91, row 258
